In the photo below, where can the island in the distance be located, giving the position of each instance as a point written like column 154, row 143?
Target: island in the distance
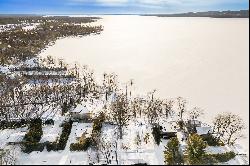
column 212, row 14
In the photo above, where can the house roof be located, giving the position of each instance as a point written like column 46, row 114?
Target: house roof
column 203, row 130
column 194, row 121
column 81, row 109
column 168, row 127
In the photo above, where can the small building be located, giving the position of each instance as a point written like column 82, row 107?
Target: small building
column 168, row 130
column 80, row 113
column 196, row 126
column 169, row 135
column 190, row 126
column 194, row 123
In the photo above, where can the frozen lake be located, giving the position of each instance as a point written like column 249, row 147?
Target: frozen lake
column 205, row 60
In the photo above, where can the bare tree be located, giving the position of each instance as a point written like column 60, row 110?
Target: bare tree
column 229, row 127
column 120, row 113
column 138, row 140
column 108, row 149
column 168, row 107
column 181, row 103
column 50, row 60
column 154, row 110
column 146, row 138
column 136, row 107
column 110, row 84
column 61, row 63
column 195, row 113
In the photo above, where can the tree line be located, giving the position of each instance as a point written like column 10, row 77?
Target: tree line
column 19, row 45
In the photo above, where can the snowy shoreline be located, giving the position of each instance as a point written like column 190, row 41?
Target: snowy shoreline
column 113, row 49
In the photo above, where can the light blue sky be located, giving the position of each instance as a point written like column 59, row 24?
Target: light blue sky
column 117, row 6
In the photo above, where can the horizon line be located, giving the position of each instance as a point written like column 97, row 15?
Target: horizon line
column 39, row 14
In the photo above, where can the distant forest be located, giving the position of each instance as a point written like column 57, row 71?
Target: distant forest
column 212, row 14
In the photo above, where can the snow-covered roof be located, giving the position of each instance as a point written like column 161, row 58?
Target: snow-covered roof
column 30, row 63
column 217, row 149
column 167, row 126
column 81, row 109
column 203, row 130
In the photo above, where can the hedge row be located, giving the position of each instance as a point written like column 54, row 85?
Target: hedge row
column 19, row 123
column 220, row 158
column 49, row 122
column 13, row 124
column 97, row 123
column 61, row 144
column 35, row 131
column 223, row 157
column 81, row 146
column 211, row 140
column 33, row 146
column 97, row 127
column 33, row 136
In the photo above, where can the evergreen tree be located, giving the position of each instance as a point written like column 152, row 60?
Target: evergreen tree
column 157, row 134
column 172, row 153
column 196, row 150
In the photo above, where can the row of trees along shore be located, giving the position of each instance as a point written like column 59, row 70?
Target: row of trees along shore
column 18, row 44
column 25, row 95
column 26, row 90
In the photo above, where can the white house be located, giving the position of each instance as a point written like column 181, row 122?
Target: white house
column 196, row 126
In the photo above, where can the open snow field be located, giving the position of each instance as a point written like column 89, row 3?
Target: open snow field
column 205, row 60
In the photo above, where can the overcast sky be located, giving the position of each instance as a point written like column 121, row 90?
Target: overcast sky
column 117, row 6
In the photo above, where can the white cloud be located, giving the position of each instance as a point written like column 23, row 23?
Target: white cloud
column 99, row 2
column 112, row 2
column 159, row 3
column 187, row 2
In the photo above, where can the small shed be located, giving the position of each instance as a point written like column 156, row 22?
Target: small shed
column 194, row 123
column 191, row 125
column 168, row 130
